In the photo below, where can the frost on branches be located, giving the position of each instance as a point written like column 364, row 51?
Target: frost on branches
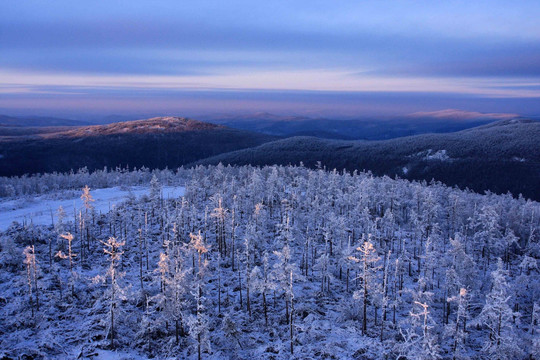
column 270, row 263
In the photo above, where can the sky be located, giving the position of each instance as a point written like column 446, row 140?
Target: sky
column 310, row 57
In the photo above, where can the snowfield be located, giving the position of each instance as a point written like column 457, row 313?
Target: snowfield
column 39, row 209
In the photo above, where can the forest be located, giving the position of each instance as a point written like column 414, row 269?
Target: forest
column 273, row 262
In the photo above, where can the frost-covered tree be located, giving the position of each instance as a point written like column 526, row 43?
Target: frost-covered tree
column 250, row 234
column 70, row 256
column 282, row 275
column 177, row 287
column 384, row 292
column 367, row 259
column 230, row 329
column 263, row 283
column 291, row 320
column 60, row 226
column 155, row 189
column 420, row 341
column 488, row 233
column 430, row 245
column 115, row 293
column 219, row 214
column 458, row 331
column 535, row 331
column 31, row 277
column 322, row 264
column 198, row 323
column 498, row 317
column 87, row 200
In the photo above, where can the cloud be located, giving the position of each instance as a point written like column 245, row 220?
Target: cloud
column 178, row 46
column 484, row 49
column 509, row 61
column 92, row 102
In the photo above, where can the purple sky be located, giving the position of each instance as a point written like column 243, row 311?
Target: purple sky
column 300, row 57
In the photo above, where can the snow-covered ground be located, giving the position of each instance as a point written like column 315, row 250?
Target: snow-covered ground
column 326, row 266
column 436, row 155
column 40, row 209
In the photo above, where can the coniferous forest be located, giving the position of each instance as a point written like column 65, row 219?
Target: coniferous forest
column 270, row 263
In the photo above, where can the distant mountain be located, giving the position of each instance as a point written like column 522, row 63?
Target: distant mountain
column 443, row 121
column 502, row 156
column 154, row 143
column 158, row 125
column 7, row 132
column 462, row 115
column 37, row 121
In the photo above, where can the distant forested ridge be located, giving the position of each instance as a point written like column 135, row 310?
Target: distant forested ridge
column 500, row 157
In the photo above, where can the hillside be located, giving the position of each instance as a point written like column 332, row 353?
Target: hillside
column 363, row 128
column 277, row 263
column 502, row 156
column 154, row 143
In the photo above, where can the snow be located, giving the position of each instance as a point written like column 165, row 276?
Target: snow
column 116, row 355
column 327, row 320
column 39, row 209
column 430, row 155
column 437, row 155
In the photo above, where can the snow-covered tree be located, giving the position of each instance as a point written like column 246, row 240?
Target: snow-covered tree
column 420, row 341
column 31, row 277
column 115, row 293
column 87, row 200
column 70, row 256
column 368, row 261
column 498, row 317
column 458, row 330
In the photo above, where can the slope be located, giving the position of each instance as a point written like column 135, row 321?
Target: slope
column 500, row 157
column 154, row 143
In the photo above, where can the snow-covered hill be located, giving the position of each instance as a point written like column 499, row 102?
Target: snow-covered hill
column 270, row 263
